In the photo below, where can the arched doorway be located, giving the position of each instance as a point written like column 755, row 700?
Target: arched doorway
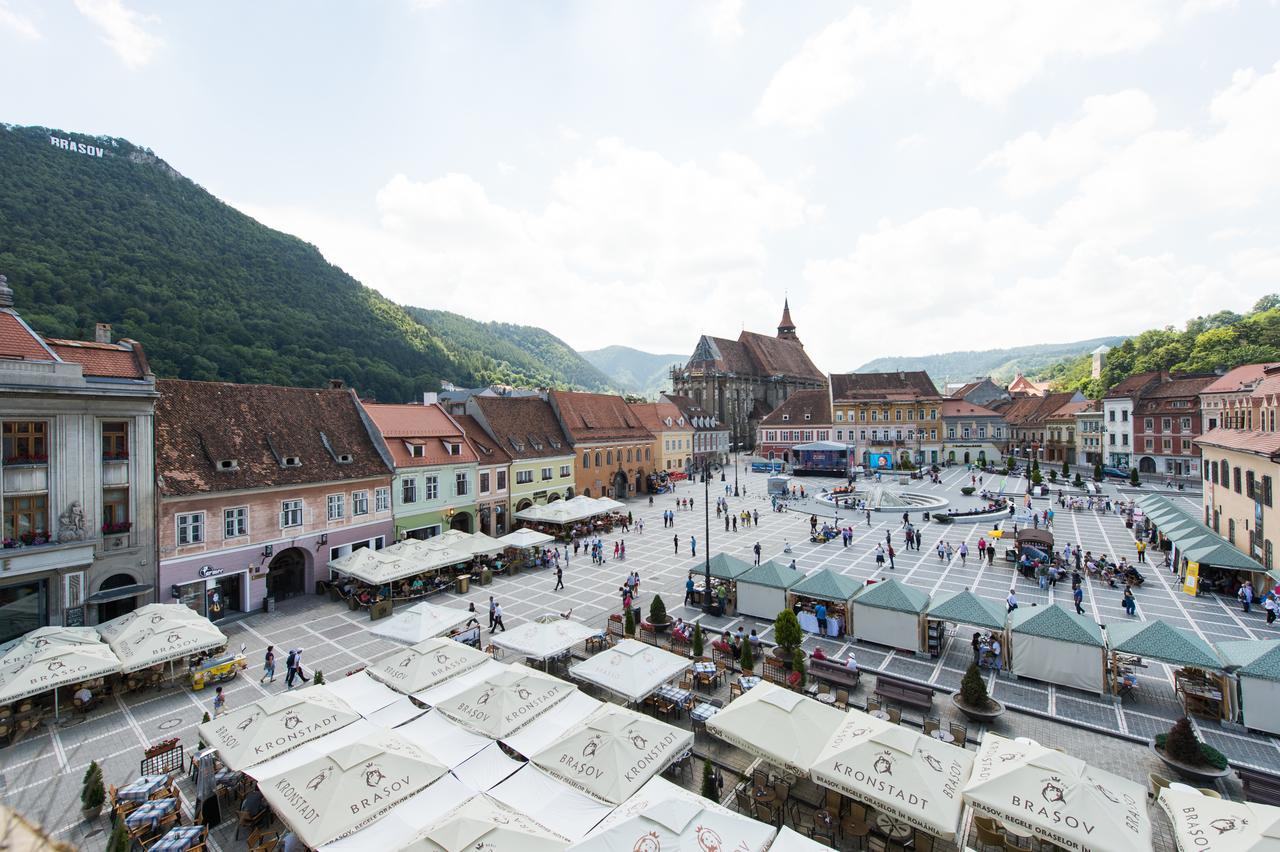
column 966, row 458
column 287, row 574
column 523, row 504
column 951, row 455
column 553, row 497
column 120, row 606
column 620, row 485
column 1146, row 465
column 461, row 522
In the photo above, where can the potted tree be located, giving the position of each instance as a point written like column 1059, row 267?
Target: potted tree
column 967, row 490
column 318, row 679
column 973, row 701
column 797, row 679
column 1133, row 477
column 658, row 614
column 119, row 840
column 1097, row 472
column 709, row 790
column 629, row 624
column 1184, row 753
column 787, row 632
column 92, row 793
column 697, row 641
column 747, row 660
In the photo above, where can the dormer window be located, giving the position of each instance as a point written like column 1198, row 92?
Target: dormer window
column 228, row 464
column 452, row 449
column 416, row 451
column 291, row 461
column 786, row 417
column 516, row 445
column 807, row 417
column 345, row 458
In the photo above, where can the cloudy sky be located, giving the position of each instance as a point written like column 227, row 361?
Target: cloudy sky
column 916, row 176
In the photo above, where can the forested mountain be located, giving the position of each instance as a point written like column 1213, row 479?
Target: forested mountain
column 633, row 370
column 1001, row 364
column 1216, row 342
column 121, row 237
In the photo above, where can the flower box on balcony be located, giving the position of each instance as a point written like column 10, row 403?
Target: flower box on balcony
column 117, row 528
column 15, row 461
column 33, row 539
column 115, row 457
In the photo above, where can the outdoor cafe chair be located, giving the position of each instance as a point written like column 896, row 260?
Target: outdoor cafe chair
column 988, row 835
column 931, row 724
column 742, row 797
column 264, row 841
column 842, row 699
column 1158, row 783
column 873, row 704
column 766, row 813
column 895, row 715
column 959, row 732
column 735, row 690
column 760, row 778
column 923, row 841
column 824, row 835
column 686, row 679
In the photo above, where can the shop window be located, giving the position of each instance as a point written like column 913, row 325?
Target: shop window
column 115, row 440
column 24, row 442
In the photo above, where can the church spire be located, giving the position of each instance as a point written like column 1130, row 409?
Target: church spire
column 786, row 328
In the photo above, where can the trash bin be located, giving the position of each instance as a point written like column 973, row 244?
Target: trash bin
column 268, row 604
column 464, row 583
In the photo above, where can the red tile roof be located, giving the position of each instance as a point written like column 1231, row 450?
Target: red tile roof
column 488, row 451
column 694, row 413
column 1239, row 379
column 1132, row 385
column 755, row 355
column 1180, row 386
column 813, row 404
column 964, row 408
column 525, row 427
column 1243, row 440
column 426, row 426
column 1026, row 411
column 593, row 417
column 901, row 385
column 199, row 424
column 653, row 416
column 123, row 360
column 17, row 340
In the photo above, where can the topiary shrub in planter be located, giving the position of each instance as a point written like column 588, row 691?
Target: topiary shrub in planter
column 1097, row 472
column 1066, row 470
column 1078, row 482
column 709, row 782
column 697, row 640
column 1053, row 476
column 797, row 670
column 629, row 624
column 787, row 633
column 1182, row 751
column 1133, row 476
column 973, row 700
column 319, row 678
column 119, row 840
column 658, row 614
column 92, row 793
column 747, row 659
column 967, row 490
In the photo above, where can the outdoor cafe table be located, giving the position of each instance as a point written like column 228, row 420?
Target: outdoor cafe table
column 142, row 789
column 180, row 839
column 944, row 736
column 827, row 698
column 764, row 795
column 706, row 672
column 748, row 681
column 892, row 828
column 823, row 820
column 677, row 696
column 882, row 715
column 151, row 812
column 703, row 711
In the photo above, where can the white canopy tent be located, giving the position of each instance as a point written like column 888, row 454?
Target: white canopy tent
column 785, row 728
column 1054, row 644
column 443, row 691
column 275, row 724
column 791, row 841
column 631, row 669
column 349, row 787
column 1059, row 798
column 53, row 666
column 399, row 826
column 675, row 820
column 476, row 543
column 420, row 622
column 540, row 640
column 158, row 633
column 487, row 768
column 1203, row 823
column 507, row 701
column 525, row 538
column 900, row 771
column 481, row 823
column 425, row 664
column 655, row 791
column 569, row 713
column 375, row 567
column 317, row 748
column 362, row 693
column 613, row 753
column 568, row 812
column 450, row 742
column 563, row 511
column 39, row 640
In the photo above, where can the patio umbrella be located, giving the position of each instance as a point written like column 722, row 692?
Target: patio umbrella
column 375, row 567
column 631, row 669
column 506, row 701
column 785, row 728
column 613, row 753
column 912, row 777
column 28, row 644
column 55, row 665
column 1058, row 797
column 525, row 538
column 275, row 724
column 158, row 633
column 425, row 664
column 1203, row 823
column 350, row 787
column 421, row 621
column 793, row 841
column 679, row 825
column 482, row 823
column 542, row 639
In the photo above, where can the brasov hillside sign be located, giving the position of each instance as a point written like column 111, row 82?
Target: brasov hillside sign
column 75, row 147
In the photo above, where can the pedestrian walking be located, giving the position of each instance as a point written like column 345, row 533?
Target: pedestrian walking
column 868, row 517
column 1129, row 603
column 290, row 668
column 1142, row 550
column 675, row 541
column 1077, row 595
column 891, row 565
column 688, row 590
column 1012, row 600
column 879, row 555
column 977, row 647
column 693, row 545
column 1246, row 595
column 269, row 665
column 492, row 604
column 757, row 551
column 497, row 619
column 964, row 553
column 559, row 579
column 1269, row 604
column 755, row 518
column 991, row 554
column 219, row 702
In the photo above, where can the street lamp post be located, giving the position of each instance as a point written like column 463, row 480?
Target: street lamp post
column 707, row 606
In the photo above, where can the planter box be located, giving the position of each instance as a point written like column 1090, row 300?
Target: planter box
column 1203, row 773
column 974, row 715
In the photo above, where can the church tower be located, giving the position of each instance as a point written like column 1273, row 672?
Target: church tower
column 786, row 328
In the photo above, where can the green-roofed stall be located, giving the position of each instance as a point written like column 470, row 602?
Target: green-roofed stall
column 762, row 591
column 963, row 609
column 725, row 570
column 1256, row 664
column 1053, row 644
column 828, row 589
column 889, row 613
column 1199, row 679
column 1204, row 559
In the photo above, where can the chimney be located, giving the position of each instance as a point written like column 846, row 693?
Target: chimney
column 102, row 332
column 430, row 397
column 6, row 295
column 335, row 384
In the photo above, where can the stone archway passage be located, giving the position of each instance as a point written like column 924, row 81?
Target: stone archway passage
column 619, row 485
column 287, row 574
column 523, row 504
column 108, row 610
column 1146, row 465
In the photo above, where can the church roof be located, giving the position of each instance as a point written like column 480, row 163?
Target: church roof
column 786, row 316
column 755, row 354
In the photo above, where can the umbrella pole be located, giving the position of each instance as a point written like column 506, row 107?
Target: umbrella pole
column 57, row 716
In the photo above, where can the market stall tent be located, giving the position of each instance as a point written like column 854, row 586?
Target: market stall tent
column 762, row 591
column 39, row 640
column 539, row 640
column 425, row 664
column 1158, row 640
column 400, row 825
column 888, row 613
column 829, row 586
column 963, row 609
column 1053, row 644
column 677, row 823
column 505, row 702
column 526, row 538
column 483, row 824
column 568, row 812
column 1256, row 664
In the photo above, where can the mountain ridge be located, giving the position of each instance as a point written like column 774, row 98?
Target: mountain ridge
column 1001, row 364
column 634, row 370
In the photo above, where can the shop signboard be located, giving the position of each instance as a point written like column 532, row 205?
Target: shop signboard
column 1191, row 582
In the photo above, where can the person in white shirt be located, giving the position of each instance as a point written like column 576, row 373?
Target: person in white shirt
column 1012, row 601
column 995, row 654
column 852, row 663
column 84, row 696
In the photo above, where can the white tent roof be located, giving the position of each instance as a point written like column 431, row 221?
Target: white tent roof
column 474, row 543
column 566, row 811
column 448, row 741
column 28, row 644
column 456, row 684
column 564, row 511
column 613, row 753
column 655, row 791
column 55, row 665
column 505, row 702
column 679, row 824
column 397, row 827
column 275, row 724
column 608, row 504
column 526, row 538
column 575, row 709
column 900, row 771
column 156, row 633
column 483, row 823
column 785, row 728
column 425, row 664
column 1058, row 797
column 396, row 714
column 486, row 768
column 420, row 622
column 542, row 639
column 314, row 749
column 1204, row 823
column 428, row 554
column 364, row 694
column 791, row 841
column 349, row 787
column 376, row 567
column 631, row 669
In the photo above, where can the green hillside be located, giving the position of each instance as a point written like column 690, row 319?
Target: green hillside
column 635, row 371
column 1001, row 364
column 213, row 294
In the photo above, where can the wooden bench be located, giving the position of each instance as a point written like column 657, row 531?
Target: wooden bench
column 1262, row 787
column 830, row 671
column 904, row 692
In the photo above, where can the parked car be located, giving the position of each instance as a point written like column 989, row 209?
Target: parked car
column 1115, row 472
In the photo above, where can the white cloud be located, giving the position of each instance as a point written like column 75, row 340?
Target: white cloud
column 986, row 50
column 724, row 19
column 123, row 30
column 18, row 23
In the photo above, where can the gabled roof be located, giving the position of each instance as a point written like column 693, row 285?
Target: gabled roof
column 1026, row 411
column 968, row 609
column 779, row 357
column 199, row 424
column 723, row 567
column 772, row 574
column 827, row 585
column 963, row 408
column 18, row 340
column 1160, row 641
column 488, row 451
column 1260, row 656
column 804, row 407
column 1180, row 386
column 591, row 417
column 425, row 426
column 1239, row 379
column 895, row 595
column 901, row 384
column 1242, row 440
column 1068, row 410
column 1054, row 621
column 965, row 389
column 1266, row 665
column 654, row 415
column 1132, row 386
column 703, row 420
column 525, row 427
